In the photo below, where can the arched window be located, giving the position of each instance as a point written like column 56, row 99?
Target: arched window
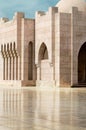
column 30, row 59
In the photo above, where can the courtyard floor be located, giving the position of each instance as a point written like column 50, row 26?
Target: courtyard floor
column 42, row 109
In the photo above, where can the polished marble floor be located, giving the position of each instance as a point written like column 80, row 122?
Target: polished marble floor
column 42, row 109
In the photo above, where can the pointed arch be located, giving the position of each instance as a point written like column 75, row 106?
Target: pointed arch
column 43, row 52
column 30, row 63
column 82, row 64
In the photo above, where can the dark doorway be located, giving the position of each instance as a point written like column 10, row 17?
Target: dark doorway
column 82, row 64
column 30, row 66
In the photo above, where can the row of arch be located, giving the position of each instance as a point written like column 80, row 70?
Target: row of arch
column 43, row 54
column 8, row 46
column 9, row 50
column 11, row 61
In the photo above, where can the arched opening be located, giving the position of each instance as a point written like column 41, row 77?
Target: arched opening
column 44, row 71
column 82, row 64
column 43, row 52
column 30, row 61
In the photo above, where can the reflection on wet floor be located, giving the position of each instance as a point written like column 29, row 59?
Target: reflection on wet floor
column 36, row 109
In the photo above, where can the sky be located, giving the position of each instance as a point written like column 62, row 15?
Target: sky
column 29, row 7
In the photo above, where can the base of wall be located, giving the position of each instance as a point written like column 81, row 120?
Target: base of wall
column 17, row 83
column 65, row 86
column 43, row 83
column 28, row 83
column 79, row 85
column 11, row 83
column 53, row 83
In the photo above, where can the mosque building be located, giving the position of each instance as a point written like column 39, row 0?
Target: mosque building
column 49, row 50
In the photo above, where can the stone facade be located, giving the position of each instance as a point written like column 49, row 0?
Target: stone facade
column 17, row 42
column 46, row 51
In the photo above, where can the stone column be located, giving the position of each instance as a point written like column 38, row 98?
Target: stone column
column 11, row 68
column 15, row 68
column 18, row 68
column 6, row 68
column 3, row 68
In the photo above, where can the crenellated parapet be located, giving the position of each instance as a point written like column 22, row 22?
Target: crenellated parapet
column 4, row 20
column 16, row 16
column 40, row 13
column 43, row 13
column 11, row 62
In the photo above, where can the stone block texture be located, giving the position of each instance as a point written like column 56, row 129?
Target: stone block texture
column 49, row 50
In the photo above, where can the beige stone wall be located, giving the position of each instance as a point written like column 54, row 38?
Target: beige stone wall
column 78, row 39
column 45, row 49
column 57, row 49
column 45, row 33
column 20, row 17
column 46, row 71
column 28, row 36
column 65, row 49
column 15, row 36
column 8, row 35
column 70, row 36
